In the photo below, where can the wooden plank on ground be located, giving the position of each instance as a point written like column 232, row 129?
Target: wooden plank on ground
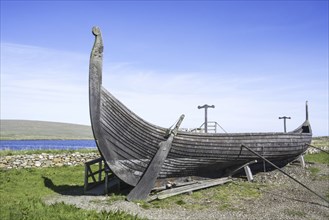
column 189, row 188
column 161, row 188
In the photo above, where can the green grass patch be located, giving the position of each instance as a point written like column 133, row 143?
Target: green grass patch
column 114, row 197
column 320, row 141
column 314, row 170
column 22, row 192
column 294, row 213
column 224, row 197
column 321, row 157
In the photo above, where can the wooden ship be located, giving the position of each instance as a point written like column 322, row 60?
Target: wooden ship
column 140, row 153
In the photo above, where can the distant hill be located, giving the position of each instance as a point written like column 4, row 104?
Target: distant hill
column 28, row 130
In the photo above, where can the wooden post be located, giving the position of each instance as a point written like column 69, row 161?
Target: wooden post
column 284, row 122
column 85, row 188
column 206, row 115
column 302, row 161
column 248, row 173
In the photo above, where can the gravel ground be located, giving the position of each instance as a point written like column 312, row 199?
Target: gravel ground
column 284, row 199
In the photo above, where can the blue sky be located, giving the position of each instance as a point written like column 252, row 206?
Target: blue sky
column 253, row 60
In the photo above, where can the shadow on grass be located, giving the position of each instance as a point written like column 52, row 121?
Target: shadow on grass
column 69, row 190
column 76, row 190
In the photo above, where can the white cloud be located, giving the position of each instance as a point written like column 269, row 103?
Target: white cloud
column 243, row 104
column 44, row 84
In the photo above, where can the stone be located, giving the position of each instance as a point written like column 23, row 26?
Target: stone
column 37, row 163
column 57, row 160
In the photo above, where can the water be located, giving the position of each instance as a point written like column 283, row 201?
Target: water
column 47, row 144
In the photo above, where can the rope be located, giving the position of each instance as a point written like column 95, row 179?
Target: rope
column 258, row 155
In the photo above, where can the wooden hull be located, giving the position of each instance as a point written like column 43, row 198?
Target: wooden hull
column 134, row 143
column 128, row 143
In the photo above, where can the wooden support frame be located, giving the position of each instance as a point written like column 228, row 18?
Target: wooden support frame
column 96, row 176
column 231, row 173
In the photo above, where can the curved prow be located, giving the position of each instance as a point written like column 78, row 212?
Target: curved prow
column 95, row 80
column 96, row 96
column 306, row 126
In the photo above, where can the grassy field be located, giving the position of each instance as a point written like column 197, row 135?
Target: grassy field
column 34, row 130
column 22, row 192
column 321, row 141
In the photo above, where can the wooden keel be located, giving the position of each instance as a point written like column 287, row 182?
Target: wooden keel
column 147, row 181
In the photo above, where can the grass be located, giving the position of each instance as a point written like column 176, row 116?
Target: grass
column 314, row 170
column 35, row 130
column 321, row 157
column 321, row 141
column 224, row 197
column 294, row 213
column 22, row 192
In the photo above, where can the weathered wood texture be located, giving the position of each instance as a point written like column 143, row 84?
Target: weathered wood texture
column 128, row 143
column 146, row 183
column 188, row 188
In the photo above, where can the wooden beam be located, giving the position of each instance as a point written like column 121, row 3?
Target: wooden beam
column 231, row 173
column 248, row 172
column 189, row 188
column 147, row 181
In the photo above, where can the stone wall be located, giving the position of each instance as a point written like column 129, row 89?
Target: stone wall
column 312, row 150
column 65, row 159
column 46, row 160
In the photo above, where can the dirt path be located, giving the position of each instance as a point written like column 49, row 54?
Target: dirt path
column 285, row 199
